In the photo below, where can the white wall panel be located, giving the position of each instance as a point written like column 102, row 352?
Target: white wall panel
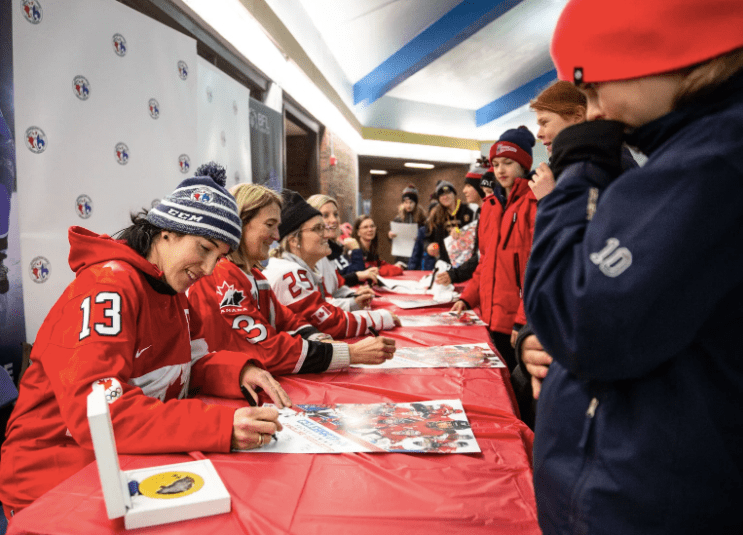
column 75, row 38
column 223, row 133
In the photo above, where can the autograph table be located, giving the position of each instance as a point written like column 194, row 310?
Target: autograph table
column 360, row 493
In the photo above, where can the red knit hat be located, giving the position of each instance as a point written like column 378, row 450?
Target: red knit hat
column 515, row 144
column 602, row 41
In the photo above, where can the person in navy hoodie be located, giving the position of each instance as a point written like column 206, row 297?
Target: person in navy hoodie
column 634, row 285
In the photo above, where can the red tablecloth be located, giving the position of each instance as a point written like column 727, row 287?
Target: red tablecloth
column 360, row 493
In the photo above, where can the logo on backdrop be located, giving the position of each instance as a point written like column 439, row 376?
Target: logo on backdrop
column 32, row 11
column 122, row 153
column 40, row 269
column 222, row 138
column 119, row 44
column 154, row 203
column 84, row 206
column 237, row 177
column 183, row 70
column 154, row 108
column 259, row 121
column 81, row 87
column 234, row 107
column 202, row 195
column 209, row 95
column 184, row 162
column 35, row 139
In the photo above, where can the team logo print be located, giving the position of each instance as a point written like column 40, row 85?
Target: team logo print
column 119, row 44
column 183, row 70
column 209, row 95
column 112, row 387
column 168, row 485
column 122, row 153
column 184, row 162
column 35, row 139
column 32, row 11
column 154, row 108
column 40, row 269
column 500, row 149
column 222, row 138
column 84, row 206
column 231, row 297
column 202, row 195
column 321, row 315
column 81, row 87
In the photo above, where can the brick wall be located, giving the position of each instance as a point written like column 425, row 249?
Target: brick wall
column 339, row 180
column 385, row 192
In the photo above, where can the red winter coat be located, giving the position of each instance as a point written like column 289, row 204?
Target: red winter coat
column 116, row 325
column 241, row 313
column 497, row 284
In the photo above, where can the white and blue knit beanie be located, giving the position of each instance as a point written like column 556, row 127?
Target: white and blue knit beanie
column 201, row 206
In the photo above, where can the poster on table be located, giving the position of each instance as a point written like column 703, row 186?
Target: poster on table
column 105, row 125
column 412, row 302
column 454, row 356
column 444, row 319
column 420, row 427
column 410, row 287
column 223, row 117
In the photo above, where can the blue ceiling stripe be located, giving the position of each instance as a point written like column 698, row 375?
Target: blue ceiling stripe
column 514, row 99
column 457, row 25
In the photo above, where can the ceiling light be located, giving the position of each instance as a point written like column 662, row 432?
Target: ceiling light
column 419, row 165
column 378, row 172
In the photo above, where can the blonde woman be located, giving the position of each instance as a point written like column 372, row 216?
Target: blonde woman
column 330, row 266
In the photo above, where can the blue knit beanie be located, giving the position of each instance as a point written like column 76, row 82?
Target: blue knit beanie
column 201, row 206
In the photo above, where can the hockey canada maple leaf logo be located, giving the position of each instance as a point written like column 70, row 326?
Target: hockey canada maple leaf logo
column 230, row 296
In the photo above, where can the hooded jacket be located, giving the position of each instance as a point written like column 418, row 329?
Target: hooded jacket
column 634, row 287
column 116, row 324
column 497, row 284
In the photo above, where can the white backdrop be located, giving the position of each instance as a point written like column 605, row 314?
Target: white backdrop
column 78, row 95
column 223, row 132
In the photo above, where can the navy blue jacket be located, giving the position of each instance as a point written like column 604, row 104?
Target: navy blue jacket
column 640, row 419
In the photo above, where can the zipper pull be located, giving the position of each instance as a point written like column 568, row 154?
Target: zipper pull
column 592, row 407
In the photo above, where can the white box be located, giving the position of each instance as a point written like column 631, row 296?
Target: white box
column 168, row 493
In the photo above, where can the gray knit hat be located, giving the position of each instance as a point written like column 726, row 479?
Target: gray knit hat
column 410, row 192
column 444, row 186
column 201, row 206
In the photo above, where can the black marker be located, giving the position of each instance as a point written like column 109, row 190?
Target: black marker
column 373, row 331
column 253, row 403
column 248, row 397
column 433, row 277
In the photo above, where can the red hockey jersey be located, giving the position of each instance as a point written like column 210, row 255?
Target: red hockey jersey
column 240, row 312
column 302, row 290
column 116, row 324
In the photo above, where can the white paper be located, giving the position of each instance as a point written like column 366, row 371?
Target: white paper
column 463, row 319
column 454, row 356
column 402, row 244
column 421, row 427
